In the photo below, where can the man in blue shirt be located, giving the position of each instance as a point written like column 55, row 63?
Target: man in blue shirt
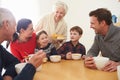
column 7, row 61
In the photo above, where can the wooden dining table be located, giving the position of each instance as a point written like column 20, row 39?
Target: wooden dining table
column 71, row 70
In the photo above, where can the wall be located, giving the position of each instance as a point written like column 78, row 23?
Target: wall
column 77, row 13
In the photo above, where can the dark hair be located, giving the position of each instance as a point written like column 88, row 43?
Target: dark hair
column 38, row 35
column 22, row 24
column 78, row 29
column 15, row 35
column 102, row 14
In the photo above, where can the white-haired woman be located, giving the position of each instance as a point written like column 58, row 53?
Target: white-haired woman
column 54, row 23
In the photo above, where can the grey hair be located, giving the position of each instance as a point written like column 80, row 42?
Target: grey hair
column 61, row 4
column 5, row 14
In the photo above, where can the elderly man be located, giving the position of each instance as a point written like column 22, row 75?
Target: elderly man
column 7, row 61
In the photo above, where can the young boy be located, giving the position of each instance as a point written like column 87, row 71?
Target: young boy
column 72, row 46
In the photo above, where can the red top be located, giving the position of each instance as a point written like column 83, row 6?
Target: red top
column 21, row 50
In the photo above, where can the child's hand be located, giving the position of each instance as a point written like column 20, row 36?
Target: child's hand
column 69, row 55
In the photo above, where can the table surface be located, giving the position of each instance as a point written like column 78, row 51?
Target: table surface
column 72, row 70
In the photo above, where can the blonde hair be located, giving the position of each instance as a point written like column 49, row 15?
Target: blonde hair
column 60, row 4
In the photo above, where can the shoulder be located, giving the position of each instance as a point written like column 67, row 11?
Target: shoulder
column 81, row 44
column 67, row 43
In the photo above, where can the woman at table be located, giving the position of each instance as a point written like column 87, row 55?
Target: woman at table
column 54, row 23
column 72, row 46
column 44, row 44
column 24, row 41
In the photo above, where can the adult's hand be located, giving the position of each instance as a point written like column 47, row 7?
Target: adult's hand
column 37, row 59
column 111, row 66
column 89, row 63
column 7, row 78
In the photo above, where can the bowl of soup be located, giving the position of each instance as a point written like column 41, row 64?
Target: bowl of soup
column 76, row 56
column 55, row 58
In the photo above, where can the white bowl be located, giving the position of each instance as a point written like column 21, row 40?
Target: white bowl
column 76, row 56
column 55, row 58
column 100, row 62
column 20, row 66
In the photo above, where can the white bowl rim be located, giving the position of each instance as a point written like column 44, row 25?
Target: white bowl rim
column 53, row 59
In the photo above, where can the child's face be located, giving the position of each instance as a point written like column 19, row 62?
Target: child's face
column 43, row 40
column 74, row 36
